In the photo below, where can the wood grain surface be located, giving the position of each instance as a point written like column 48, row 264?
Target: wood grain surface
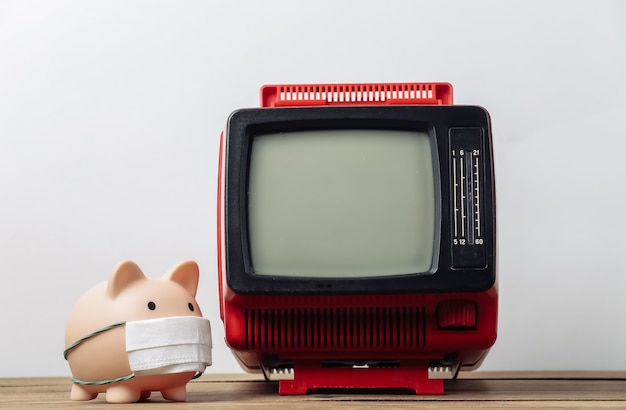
column 241, row 391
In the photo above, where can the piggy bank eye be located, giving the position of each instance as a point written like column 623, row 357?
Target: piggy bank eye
column 151, row 305
column 191, row 308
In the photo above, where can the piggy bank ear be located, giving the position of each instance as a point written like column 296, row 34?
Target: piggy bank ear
column 185, row 274
column 124, row 274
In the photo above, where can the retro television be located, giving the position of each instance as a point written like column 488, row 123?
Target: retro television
column 357, row 236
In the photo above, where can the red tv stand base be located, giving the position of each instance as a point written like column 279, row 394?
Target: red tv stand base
column 310, row 375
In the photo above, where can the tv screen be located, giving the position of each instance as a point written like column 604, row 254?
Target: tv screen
column 317, row 198
column 343, row 203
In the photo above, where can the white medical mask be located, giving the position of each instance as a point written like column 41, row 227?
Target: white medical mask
column 161, row 346
column 168, row 345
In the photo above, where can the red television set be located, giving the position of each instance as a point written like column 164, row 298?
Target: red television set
column 357, row 236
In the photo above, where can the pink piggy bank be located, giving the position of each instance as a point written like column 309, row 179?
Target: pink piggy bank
column 132, row 335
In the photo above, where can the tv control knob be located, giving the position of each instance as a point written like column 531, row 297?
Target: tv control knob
column 457, row 315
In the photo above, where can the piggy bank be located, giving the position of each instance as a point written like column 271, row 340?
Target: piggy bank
column 132, row 335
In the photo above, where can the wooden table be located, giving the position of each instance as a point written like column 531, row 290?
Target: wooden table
column 239, row 391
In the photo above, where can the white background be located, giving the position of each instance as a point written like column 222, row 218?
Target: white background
column 110, row 113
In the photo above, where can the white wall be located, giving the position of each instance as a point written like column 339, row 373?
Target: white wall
column 110, row 114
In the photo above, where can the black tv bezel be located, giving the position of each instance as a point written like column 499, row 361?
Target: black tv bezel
column 243, row 125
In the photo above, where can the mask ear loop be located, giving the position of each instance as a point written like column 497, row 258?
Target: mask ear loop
column 102, row 382
column 81, row 340
column 89, row 336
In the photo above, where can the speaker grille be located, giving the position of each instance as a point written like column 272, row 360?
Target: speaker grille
column 336, row 328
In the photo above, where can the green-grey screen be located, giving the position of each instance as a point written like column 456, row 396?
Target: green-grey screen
column 341, row 203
